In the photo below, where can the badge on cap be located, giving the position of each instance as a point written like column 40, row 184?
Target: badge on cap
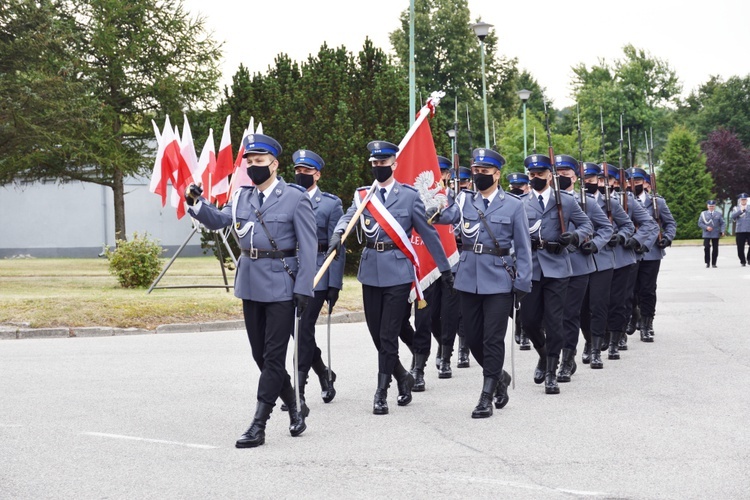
column 481, row 152
column 302, row 154
column 376, row 145
column 251, row 138
column 558, row 159
column 533, row 158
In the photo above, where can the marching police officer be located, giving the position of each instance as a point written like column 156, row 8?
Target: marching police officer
column 386, row 269
column 464, row 178
column 519, row 185
column 648, row 268
column 491, row 220
column 276, row 228
column 583, row 264
column 742, row 228
column 328, row 210
column 713, row 225
column 552, row 269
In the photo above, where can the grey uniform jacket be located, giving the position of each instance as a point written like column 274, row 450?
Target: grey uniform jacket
column 328, row 210
column 392, row 267
column 288, row 215
column 487, row 274
column 622, row 225
column 546, row 224
column 584, row 264
column 646, row 233
column 667, row 224
column 741, row 219
column 714, row 220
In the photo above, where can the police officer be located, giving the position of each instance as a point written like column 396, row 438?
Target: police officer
column 583, row 265
column 328, row 210
column 596, row 302
column 519, row 185
column 491, row 220
column 742, row 228
column 648, row 268
column 276, row 228
column 552, row 269
column 464, row 178
column 713, row 225
column 385, row 271
column 463, row 361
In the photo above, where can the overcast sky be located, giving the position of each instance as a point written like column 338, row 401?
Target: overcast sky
column 698, row 39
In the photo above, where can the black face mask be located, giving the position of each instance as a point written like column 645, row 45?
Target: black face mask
column 516, row 191
column 617, row 189
column 382, row 174
column 627, row 188
column 565, row 182
column 538, row 184
column 484, row 181
column 591, row 188
column 259, row 173
column 602, row 189
column 639, row 190
column 304, row 180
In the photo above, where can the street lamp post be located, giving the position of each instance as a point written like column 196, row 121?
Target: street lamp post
column 524, row 95
column 482, row 29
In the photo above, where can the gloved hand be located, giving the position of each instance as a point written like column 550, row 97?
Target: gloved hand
column 300, row 302
column 518, row 295
column 588, row 247
column 193, row 193
column 640, row 249
column 333, row 296
column 433, row 214
column 555, row 247
column 334, row 245
column 616, row 239
column 568, row 238
column 535, row 242
column 447, row 278
column 631, row 243
column 664, row 243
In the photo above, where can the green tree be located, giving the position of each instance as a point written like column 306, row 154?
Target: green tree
column 716, row 104
column 133, row 60
column 684, row 181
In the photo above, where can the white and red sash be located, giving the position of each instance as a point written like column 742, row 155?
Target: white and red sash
column 394, row 231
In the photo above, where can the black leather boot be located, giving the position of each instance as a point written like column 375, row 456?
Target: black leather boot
column 439, row 356
column 541, row 365
column 501, row 395
column 623, row 343
column 567, row 365
column 550, row 381
column 380, row 402
column 302, row 378
column 525, row 343
column 586, row 356
column 255, row 435
column 596, row 353
column 420, row 361
column 484, row 406
column 444, row 370
column 296, row 418
column 463, row 353
column 327, row 391
column 404, row 382
column 647, row 329
column 614, row 339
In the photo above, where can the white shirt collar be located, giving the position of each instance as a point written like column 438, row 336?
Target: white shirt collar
column 313, row 192
column 545, row 195
column 388, row 188
column 267, row 192
column 492, row 196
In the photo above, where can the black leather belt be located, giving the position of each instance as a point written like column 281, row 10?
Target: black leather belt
column 322, row 247
column 381, row 246
column 550, row 246
column 480, row 248
column 254, row 253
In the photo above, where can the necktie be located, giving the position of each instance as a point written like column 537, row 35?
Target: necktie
column 382, row 194
column 261, row 196
column 541, row 202
column 486, row 203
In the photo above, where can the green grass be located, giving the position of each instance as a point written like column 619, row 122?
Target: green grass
column 81, row 292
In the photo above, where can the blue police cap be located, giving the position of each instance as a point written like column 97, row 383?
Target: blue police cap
column 711, row 203
column 537, row 162
column 613, row 171
column 566, row 161
column 518, row 178
column 444, row 163
column 464, row 173
column 639, row 173
column 485, row 157
column 307, row 158
column 743, row 196
column 381, row 149
column 262, row 144
column 590, row 168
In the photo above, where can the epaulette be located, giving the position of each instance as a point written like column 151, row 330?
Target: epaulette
column 331, row 196
column 569, row 193
column 468, row 192
column 589, row 195
column 659, row 196
column 297, row 186
column 508, row 193
column 363, row 187
column 407, row 186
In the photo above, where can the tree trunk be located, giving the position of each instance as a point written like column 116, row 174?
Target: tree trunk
column 118, row 189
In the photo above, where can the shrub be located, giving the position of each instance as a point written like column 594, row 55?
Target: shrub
column 135, row 263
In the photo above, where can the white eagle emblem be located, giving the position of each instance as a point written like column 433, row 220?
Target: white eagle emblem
column 533, row 158
column 302, row 153
column 481, row 152
column 429, row 191
column 376, row 145
column 250, row 138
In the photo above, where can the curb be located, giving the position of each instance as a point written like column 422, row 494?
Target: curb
column 9, row 332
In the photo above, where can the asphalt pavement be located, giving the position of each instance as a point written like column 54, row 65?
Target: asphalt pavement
column 156, row 416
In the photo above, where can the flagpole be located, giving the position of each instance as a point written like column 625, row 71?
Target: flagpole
column 412, row 83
